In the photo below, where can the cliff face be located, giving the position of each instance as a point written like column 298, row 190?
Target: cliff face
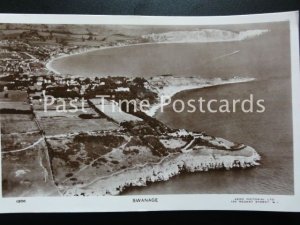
column 204, row 35
column 193, row 161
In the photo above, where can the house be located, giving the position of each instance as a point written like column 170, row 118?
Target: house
column 35, row 87
column 122, row 89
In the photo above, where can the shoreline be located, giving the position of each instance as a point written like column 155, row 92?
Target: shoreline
column 152, row 111
column 49, row 62
column 174, row 165
column 49, row 67
column 164, row 170
column 171, row 93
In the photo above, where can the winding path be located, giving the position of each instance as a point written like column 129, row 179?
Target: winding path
column 24, row 149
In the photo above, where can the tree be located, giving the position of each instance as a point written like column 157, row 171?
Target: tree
column 87, row 80
column 63, row 42
column 139, row 81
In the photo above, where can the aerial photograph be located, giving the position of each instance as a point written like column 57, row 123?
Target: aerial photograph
column 94, row 110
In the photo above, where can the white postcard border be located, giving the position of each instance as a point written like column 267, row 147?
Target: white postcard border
column 170, row 202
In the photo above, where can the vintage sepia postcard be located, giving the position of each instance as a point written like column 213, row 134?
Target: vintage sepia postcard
column 127, row 113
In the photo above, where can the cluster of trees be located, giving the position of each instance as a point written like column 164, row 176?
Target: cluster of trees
column 62, row 92
column 108, row 140
column 15, row 111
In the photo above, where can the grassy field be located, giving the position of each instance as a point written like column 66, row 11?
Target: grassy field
column 27, row 173
column 80, row 159
column 54, row 123
column 14, row 101
column 15, row 106
column 17, row 123
column 13, row 96
column 16, row 141
column 70, row 154
column 39, row 105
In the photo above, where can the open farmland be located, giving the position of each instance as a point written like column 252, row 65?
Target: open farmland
column 55, row 123
column 40, row 105
column 15, row 107
column 14, row 101
column 17, row 141
column 13, row 96
column 27, row 173
column 18, row 123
